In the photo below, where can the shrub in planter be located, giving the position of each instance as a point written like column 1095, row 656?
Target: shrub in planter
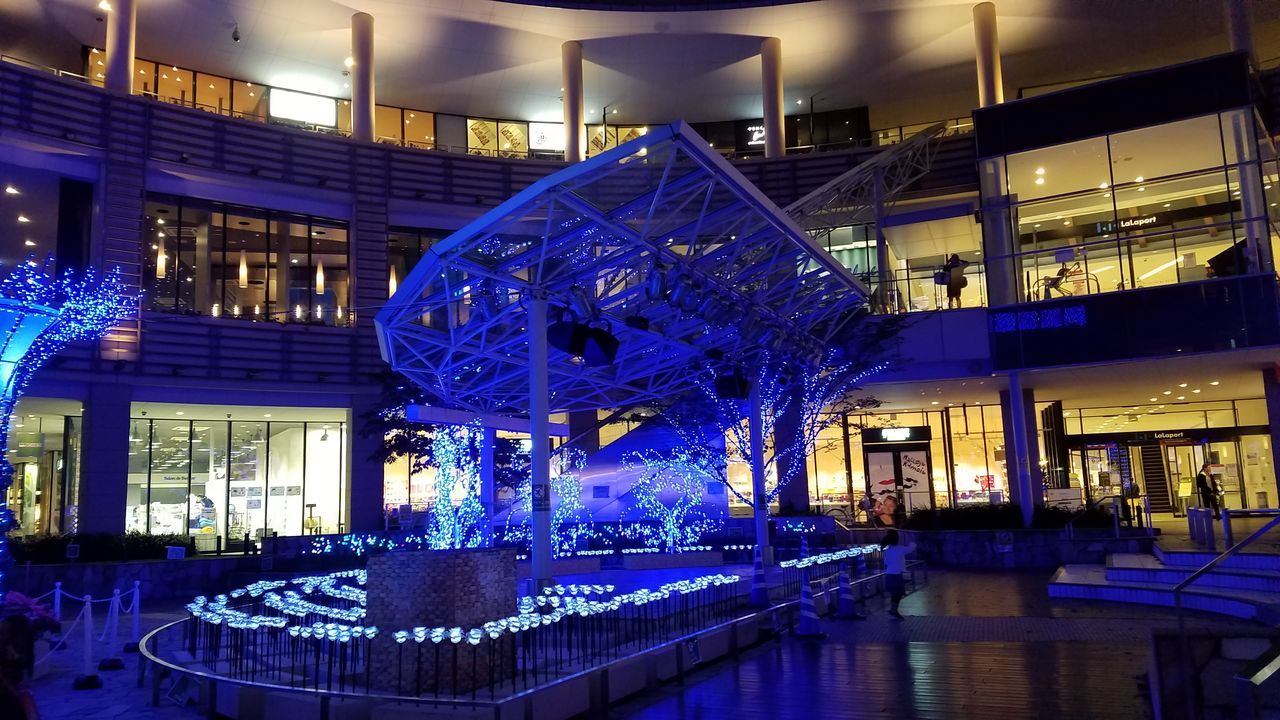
column 1002, row 517
column 95, row 547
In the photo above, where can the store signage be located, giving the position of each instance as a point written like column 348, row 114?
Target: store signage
column 302, row 107
column 546, row 136
column 1133, row 223
column 757, row 135
column 896, row 435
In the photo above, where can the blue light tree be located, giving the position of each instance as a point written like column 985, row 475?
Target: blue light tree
column 668, row 507
column 571, row 523
column 39, row 315
column 455, row 453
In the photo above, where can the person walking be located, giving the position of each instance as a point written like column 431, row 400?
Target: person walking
column 1209, row 491
column 956, row 281
column 895, row 566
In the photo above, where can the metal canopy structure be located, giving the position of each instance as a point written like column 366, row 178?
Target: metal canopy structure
column 660, row 242
column 863, row 194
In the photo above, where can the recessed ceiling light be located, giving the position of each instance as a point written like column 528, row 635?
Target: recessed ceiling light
column 799, row 101
column 349, row 61
column 1167, row 204
column 935, row 402
column 104, row 6
column 11, row 190
column 159, row 221
column 1037, row 225
column 1153, row 399
column 23, row 219
column 1182, row 384
column 1040, row 171
column 1141, row 189
column 1103, row 185
column 1040, row 181
column 1182, row 397
column 179, row 413
column 267, row 415
column 1196, row 391
column 1138, row 179
column 1167, row 392
column 30, row 243
column 1215, row 382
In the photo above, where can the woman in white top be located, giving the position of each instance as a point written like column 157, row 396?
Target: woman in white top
column 895, row 565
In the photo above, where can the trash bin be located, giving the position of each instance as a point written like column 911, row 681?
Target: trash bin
column 1260, row 500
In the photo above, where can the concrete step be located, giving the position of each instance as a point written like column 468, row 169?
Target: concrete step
column 1138, row 568
column 1199, row 558
column 1089, row 582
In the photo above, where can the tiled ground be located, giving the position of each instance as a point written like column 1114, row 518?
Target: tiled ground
column 982, row 645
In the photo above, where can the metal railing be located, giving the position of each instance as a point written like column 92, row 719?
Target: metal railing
column 1116, row 502
column 1194, row 703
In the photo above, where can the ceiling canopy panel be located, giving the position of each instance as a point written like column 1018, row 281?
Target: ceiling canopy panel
column 659, row 242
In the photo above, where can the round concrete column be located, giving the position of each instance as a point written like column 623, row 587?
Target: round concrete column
column 1239, row 25
column 122, row 25
column 575, row 128
column 775, row 140
column 362, row 91
column 990, row 79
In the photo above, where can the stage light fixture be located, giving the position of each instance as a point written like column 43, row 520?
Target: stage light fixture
column 732, row 385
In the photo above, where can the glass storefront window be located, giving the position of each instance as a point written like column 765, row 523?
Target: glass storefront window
column 44, row 453
column 213, row 93
column 388, row 125
column 1119, row 212
column 420, row 129
column 247, row 481
column 249, row 100
column 176, row 85
column 286, row 450
column 324, row 489
column 209, row 258
column 482, row 137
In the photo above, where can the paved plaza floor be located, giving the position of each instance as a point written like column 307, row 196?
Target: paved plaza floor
column 974, row 645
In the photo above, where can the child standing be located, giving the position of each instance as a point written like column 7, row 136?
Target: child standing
column 895, row 565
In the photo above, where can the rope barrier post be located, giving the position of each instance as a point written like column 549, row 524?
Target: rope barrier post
column 57, row 601
column 132, row 646
column 111, row 634
column 89, row 680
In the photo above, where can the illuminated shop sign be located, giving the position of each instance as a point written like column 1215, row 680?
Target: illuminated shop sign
column 896, row 435
column 1127, row 224
column 313, row 109
column 757, row 135
column 546, row 136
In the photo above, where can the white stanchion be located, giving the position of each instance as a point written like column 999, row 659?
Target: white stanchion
column 136, row 611
column 89, row 680
column 111, row 634
column 57, row 601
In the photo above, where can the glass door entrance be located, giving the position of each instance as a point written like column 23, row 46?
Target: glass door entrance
column 1182, row 463
column 898, row 481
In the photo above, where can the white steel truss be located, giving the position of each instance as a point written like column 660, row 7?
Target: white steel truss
column 865, row 192
column 660, row 240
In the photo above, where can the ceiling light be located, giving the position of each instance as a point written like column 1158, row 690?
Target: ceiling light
column 1159, row 269
column 104, row 6
column 23, row 218
column 799, row 102
column 11, row 190
column 935, row 402
column 1167, row 204
column 1040, row 181
column 349, row 62
column 1196, row 391
column 1167, row 392
column 1182, row 384
column 1066, row 222
column 30, row 243
column 267, row 415
column 1215, row 382
column 1036, row 225
column 179, row 413
column 1040, row 171
column 159, row 221
column 1138, row 179
column 1182, row 397
column 1141, row 189
column 1153, row 399
column 1104, row 185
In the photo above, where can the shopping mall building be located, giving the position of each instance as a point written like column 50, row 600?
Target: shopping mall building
column 266, row 173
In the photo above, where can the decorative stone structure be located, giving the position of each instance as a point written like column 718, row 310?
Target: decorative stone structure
column 458, row 588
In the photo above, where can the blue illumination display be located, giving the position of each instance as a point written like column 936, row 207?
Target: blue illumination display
column 668, row 507
column 457, row 518
column 572, row 529
column 39, row 315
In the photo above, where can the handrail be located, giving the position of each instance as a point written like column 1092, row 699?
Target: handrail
column 1193, row 706
column 1227, row 513
column 1070, row 527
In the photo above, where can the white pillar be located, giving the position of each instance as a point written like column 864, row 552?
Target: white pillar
column 362, row 94
column 1239, row 25
column 1019, row 462
column 1242, row 148
column 122, row 26
column 575, row 128
column 759, row 495
column 540, row 438
column 990, row 79
column 775, row 138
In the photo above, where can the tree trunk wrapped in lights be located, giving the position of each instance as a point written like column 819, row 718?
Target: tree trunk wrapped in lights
column 39, row 315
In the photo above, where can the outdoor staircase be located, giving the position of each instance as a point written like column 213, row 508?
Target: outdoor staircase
column 1153, row 476
column 1245, row 586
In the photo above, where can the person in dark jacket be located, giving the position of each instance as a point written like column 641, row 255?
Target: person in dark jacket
column 1209, row 491
column 956, row 281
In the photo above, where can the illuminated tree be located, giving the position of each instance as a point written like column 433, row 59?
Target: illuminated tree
column 40, row 315
column 457, row 518
column 667, row 505
column 571, row 523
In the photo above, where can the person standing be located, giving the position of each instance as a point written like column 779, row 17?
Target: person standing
column 1209, row 491
column 956, row 281
column 895, row 566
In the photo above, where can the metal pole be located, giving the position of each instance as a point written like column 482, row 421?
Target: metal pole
column 122, row 25
column 759, row 495
column 775, row 141
column 539, row 431
column 575, row 129
column 362, row 90
column 1021, row 467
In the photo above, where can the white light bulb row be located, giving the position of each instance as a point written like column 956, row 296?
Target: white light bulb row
column 830, row 557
